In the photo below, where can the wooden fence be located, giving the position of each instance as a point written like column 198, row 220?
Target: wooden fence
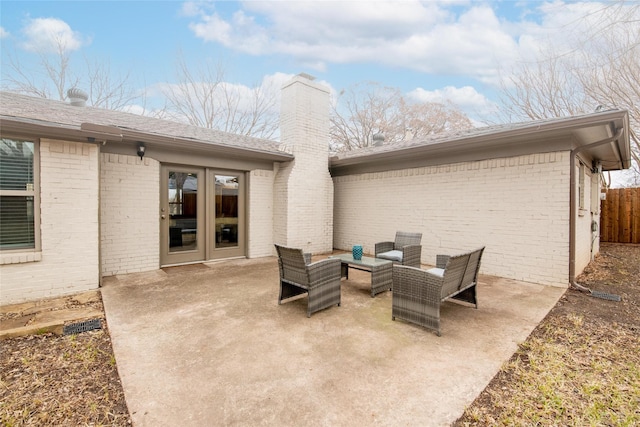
column 620, row 216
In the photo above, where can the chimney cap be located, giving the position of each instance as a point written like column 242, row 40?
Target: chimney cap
column 307, row 76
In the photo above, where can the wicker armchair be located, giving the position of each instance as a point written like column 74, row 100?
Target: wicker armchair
column 298, row 275
column 417, row 294
column 405, row 250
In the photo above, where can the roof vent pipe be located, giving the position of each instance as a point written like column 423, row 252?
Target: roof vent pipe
column 378, row 139
column 77, row 97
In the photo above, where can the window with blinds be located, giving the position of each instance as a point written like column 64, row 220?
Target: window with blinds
column 18, row 194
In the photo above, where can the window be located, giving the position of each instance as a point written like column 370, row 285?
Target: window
column 19, row 190
column 581, row 174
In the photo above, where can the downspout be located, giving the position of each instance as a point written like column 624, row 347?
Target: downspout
column 100, row 213
column 572, row 201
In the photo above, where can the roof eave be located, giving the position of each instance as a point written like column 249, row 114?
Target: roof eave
column 89, row 132
column 610, row 119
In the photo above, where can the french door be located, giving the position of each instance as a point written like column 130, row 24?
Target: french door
column 201, row 214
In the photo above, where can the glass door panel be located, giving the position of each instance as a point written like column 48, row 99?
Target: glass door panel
column 183, row 211
column 182, row 215
column 226, row 214
column 226, row 210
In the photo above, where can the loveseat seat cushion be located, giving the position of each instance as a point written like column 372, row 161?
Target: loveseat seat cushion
column 436, row 271
column 391, row 255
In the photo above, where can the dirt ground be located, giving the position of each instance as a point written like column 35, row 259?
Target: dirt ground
column 73, row 380
column 581, row 365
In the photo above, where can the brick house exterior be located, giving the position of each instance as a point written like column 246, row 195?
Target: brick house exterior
column 527, row 192
column 515, row 206
column 69, row 229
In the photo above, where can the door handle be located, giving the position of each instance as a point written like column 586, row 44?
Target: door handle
column 162, row 216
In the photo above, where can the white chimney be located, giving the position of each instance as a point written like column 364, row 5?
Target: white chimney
column 303, row 206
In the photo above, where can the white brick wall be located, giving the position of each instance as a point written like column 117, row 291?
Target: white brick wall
column 68, row 262
column 587, row 241
column 260, row 211
column 129, row 203
column 303, row 194
column 517, row 207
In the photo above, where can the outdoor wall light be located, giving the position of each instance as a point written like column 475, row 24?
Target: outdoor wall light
column 141, row 149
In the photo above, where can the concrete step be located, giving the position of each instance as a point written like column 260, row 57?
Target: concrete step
column 48, row 315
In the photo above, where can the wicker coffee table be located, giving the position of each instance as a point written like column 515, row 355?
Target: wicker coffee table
column 380, row 269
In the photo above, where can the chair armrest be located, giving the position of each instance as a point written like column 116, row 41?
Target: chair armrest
column 416, row 283
column 411, row 255
column 323, row 270
column 383, row 247
column 441, row 260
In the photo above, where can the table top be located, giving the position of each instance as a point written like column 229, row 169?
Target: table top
column 365, row 261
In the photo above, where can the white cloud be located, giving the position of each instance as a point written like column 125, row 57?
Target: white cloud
column 423, row 36
column 3, row 33
column 244, row 94
column 462, row 38
column 191, row 8
column 137, row 109
column 464, row 97
column 49, row 35
column 474, row 104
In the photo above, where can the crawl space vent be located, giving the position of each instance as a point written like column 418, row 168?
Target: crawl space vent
column 76, row 328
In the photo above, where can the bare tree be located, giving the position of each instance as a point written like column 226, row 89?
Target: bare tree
column 543, row 89
column 107, row 91
column 601, row 70
column 203, row 98
column 616, row 83
column 429, row 118
column 55, row 75
column 367, row 109
column 50, row 80
column 360, row 112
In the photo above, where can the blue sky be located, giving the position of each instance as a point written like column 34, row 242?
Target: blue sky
column 446, row 50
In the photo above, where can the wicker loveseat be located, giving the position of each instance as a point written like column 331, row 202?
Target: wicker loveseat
column 417, row 294
column 405, row 250
column 298, row 275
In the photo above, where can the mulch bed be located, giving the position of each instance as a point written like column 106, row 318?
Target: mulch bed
column 70, row 380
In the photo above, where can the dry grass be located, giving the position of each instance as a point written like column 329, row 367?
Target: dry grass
column 49, row 380
column 562, row 376
column 581, row 366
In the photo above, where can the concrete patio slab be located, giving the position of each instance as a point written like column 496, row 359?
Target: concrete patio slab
column 211, row 346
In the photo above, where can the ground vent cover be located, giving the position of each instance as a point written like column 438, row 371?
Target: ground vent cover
column 605, row 295
column 87, row 325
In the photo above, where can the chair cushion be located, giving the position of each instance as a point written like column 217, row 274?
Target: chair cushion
column 391, row 255
column 436, row 271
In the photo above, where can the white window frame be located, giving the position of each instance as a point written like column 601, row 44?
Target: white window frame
column 14, row 255
column 581, row 189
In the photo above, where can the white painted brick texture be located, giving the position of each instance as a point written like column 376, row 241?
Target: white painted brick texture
column 587, row 241
column 130, row 224
column 303, row 194
column 517, row 207
column 260, row 210
column 68, row 262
